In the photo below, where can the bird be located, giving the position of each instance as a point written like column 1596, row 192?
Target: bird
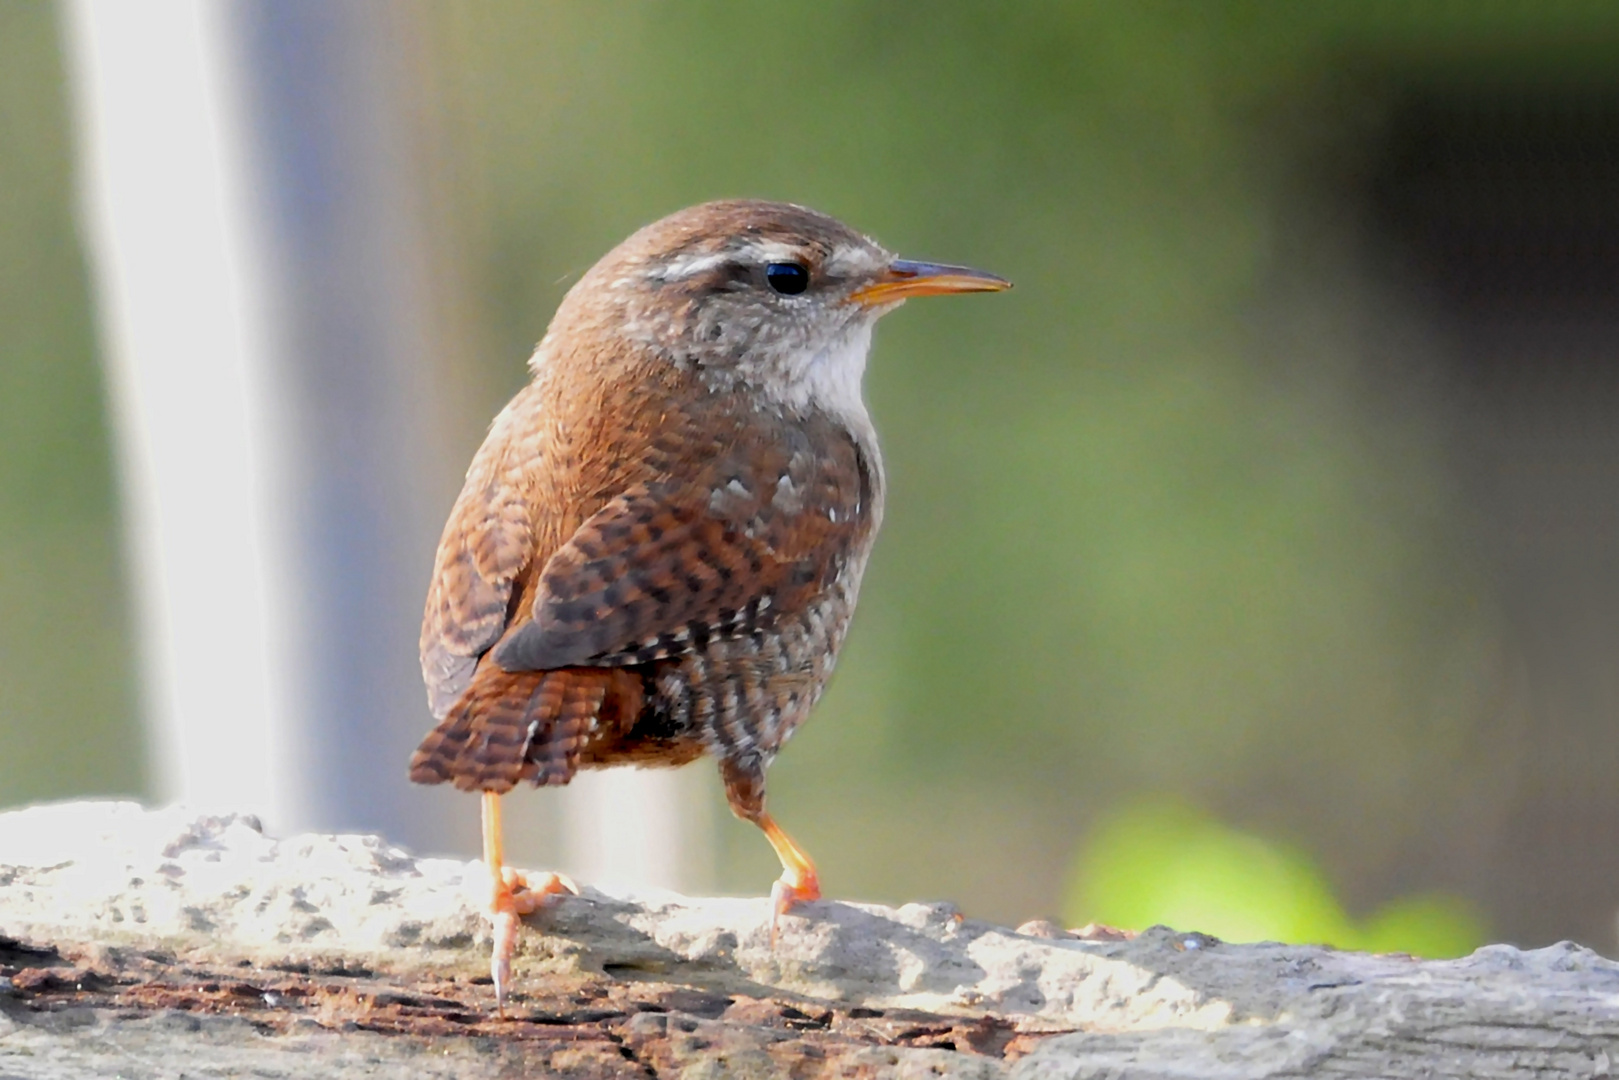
column 658, row 547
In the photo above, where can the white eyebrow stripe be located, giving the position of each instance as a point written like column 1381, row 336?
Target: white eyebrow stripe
column 770, row 251
column 686, row 266
column 756, row 253
column 843, row 260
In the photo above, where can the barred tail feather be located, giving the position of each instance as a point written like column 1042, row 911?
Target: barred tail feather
column 570, row 702
column 510, row 726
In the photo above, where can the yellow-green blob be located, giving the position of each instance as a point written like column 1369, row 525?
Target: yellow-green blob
column 1162, row 862
column 1427, row 924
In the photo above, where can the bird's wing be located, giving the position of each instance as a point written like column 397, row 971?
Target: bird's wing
column 671, row 564
column 487, row 544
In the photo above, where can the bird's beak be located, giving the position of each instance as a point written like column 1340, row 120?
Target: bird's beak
column 904, row 279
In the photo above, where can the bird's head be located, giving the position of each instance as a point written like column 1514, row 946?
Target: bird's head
column 767, row 295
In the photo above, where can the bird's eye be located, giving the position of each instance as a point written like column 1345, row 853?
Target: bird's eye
column 787, row 278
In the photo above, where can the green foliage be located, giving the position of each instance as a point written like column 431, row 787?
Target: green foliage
column 1162, row 862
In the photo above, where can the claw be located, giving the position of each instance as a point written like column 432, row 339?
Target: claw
column 500, row 960
column 790, row 889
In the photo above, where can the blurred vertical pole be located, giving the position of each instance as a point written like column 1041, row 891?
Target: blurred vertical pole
column 326, row 100
column 635, row 828
column 279, row 327
column 200, row 416
column 262, row 273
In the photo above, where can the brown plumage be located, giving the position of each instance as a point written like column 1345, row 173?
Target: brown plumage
column 659, row 545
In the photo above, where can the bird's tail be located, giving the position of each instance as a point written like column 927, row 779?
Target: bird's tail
column 511, row 726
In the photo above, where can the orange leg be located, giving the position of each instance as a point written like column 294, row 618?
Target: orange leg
column 510, row 898
column 798, row 883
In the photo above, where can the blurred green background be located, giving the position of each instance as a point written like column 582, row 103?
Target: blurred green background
column 1186, row 608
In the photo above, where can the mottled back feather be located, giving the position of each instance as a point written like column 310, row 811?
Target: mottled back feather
column 667, row 567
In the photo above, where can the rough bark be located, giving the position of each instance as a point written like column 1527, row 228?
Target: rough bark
column 160, row 943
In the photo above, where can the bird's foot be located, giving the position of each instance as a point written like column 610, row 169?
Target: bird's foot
column 510, row 900
column 793, row 887
column 525, row 897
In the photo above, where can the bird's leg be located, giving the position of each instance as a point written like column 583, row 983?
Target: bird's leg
column 502, row 900
column 510, row 898
column 798, row 883
column 745, row 791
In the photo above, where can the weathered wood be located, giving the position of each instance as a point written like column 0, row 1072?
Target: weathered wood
column 140, row 943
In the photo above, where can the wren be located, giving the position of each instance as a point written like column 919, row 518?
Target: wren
column 659, row 545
